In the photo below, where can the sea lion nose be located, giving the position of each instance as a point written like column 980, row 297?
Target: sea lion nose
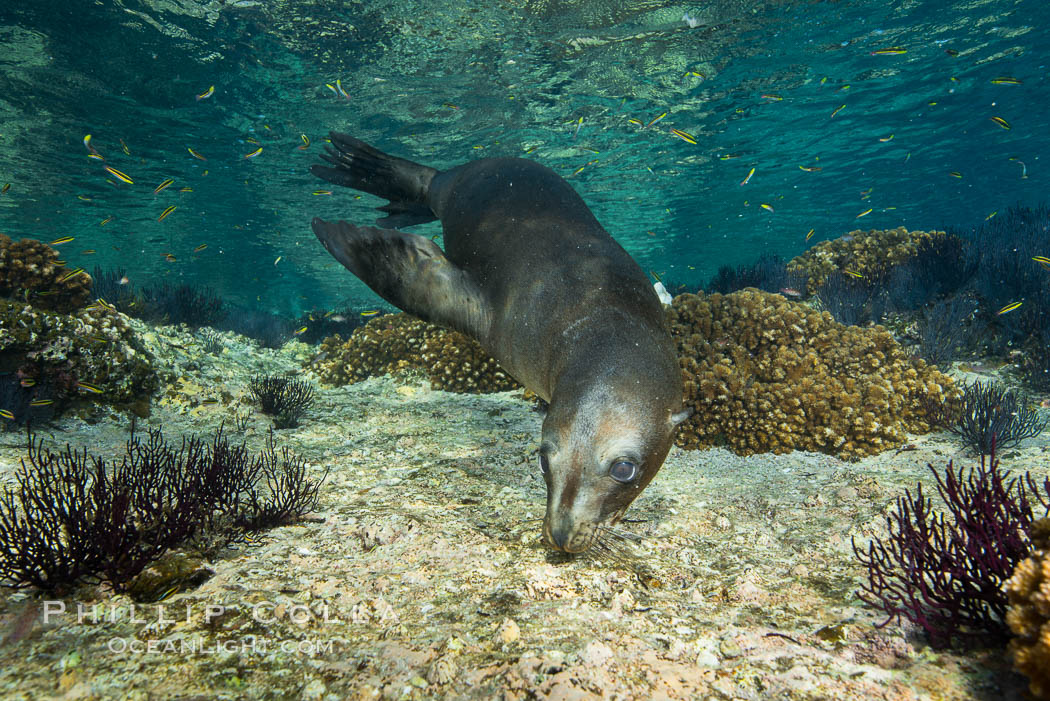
column 559, row 538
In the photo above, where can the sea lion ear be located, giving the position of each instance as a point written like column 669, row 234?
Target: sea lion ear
column 681, row 416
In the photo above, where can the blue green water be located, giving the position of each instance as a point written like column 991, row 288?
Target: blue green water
column 442, row 82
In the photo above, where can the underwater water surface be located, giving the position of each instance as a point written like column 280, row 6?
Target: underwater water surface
column 838, row 115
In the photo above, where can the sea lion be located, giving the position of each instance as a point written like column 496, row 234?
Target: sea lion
column 529, row 272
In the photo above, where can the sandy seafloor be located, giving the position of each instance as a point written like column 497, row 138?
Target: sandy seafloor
column 421, row 573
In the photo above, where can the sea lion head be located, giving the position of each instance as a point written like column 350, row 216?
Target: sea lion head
column 596, row 455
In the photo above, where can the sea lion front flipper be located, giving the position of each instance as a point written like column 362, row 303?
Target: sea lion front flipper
column 404, row 183
column 410, row 272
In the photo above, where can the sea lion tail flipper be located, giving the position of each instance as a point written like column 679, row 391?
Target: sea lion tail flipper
column 410, row 272
column 362, row 167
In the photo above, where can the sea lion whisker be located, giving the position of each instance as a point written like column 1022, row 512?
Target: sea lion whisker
column 612, row 551
column 622, row 534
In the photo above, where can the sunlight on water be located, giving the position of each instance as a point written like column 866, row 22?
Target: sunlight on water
column 840, row 108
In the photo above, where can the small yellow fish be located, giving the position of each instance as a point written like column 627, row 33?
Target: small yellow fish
column 306, row 142
column 96, row 156
column 891, row 51
column 771, row 96
column 955, row 174
column 105, row 221
column 810, row 169
column 1008, row 308
column 170, row 257
column 837, row 110
column 7, row 414
column 656, row 119
column 87, row 387
column 322, row 192
column 684, row 136
column 767, row 207
column 1006, row 80
column 168, row 594
column 71, row 274
column 254, row 153
column 163, row 186
column 185, row 189
column 166, row 212
column 278, row 260
column 206, row 94
column 991, row 215
column 88, row 252
column 339, row 87
column 1043, row 261
column 746, row 180
column 636, row 122
column 87, row 142
column 200, row 248
column 27, row 382
column 195, row 154
column 64, row 239
column 1001, row 122
column 809, row 235
column 884, row 139
column 5, row 188
column 41, row 402
column 853, row 273
column 865, row 213
column 124, row 147
column 299, row 331
column 118, row 175
column 370, row 312
column 85, row 198
column 210, row 401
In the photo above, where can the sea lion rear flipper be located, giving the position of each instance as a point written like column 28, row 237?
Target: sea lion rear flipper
column 361, row 167
column 410, row 272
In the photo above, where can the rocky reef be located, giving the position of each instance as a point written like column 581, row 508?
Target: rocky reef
column 55, row 356
column 763, row 374
column 32, row 271
column 1029, row 614
column 401, row 343
column 865, row 253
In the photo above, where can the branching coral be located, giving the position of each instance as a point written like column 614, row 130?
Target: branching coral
column 988, row 414
column 765, row 374
column 1028, row 592
column 869, row 254
column 283, row 398
column 945, row 572
column 31, row 270
column 76, row 516
column 399, row 343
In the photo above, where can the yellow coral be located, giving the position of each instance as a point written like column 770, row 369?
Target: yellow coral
column 398, row 343
column 765, row 374
column 869, row 253
column 1028, row 591
column 31, row 270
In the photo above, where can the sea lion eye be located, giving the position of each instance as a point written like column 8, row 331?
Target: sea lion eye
column 545, row 466
column 623, row 470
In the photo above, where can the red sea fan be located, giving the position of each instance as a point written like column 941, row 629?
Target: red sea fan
column 944, row 571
